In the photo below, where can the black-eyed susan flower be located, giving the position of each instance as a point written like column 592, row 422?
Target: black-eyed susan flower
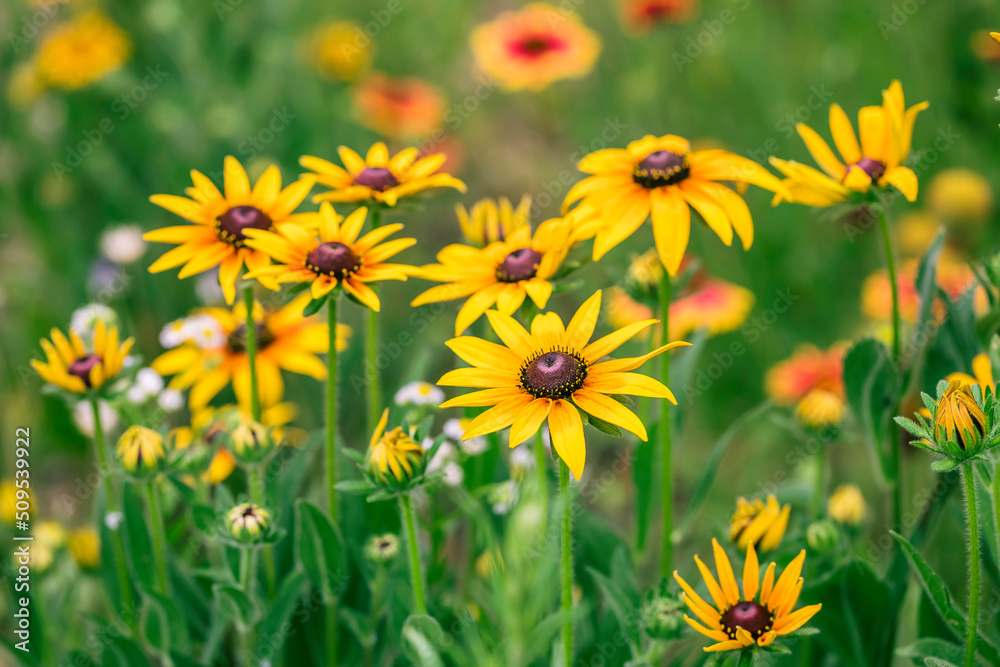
column 812, row 380
column 846, row 505
column 70, row 365
column 492, row 220
column 885, row 132
column 533, row 47
column 207, row 363
column 79, row 52
column 763, row 613
column 377, row 177
column 140, row 449
column 550, row 375
column 662, row 178
column 221, row 220
column 759, row 523
column 84, row 545
column 502, row 274
column 248, row 522
column 339, row 50
column 404, row 108
column 336, row 256
column 393, row 453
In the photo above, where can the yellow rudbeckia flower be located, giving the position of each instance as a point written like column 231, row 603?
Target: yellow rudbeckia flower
column 394, row 452
column 759, row 524
column 71, row 366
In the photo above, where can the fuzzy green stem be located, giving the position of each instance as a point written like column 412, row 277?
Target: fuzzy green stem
column 371, row 351
column 246, row 583
column 996, row 500
column 666, row 455
column 541, row 470
column 895, row 476
column 970, row 501
column 159, row 535
column 331, row 407
column 251, row 327
column 414, row 552
column 128, row 610
column 256, row 483
column 566, row 496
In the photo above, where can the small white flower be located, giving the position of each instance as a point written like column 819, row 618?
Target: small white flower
column 453, row 474
column 149, row 380
column 174, row 334
column 522, row 457
column 113, row 519
column 170, row 400
column 444, row 452
column 85, row 318
column 474, row 446
column 206, row 332
column 136, row 394
column 83, row 417
column 419, row 393
column 454, row 428
column 207, row 289
column 123, row 244
column 503, row 497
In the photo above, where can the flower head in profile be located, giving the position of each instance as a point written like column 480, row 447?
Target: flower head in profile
column 551, row 375
column 662, row 179
column 393, row 453
column 502, row 274
column 379, row 178
column 75, row 367
column 758, row 523
column 248, row 522
column 220, row 220
column 207, row 362
column 533, row 47
column 492, row 220
column 330, row 253
column 84, row 545
column 398, row 108
column 81, row 51
column 764, row 612
column 643, row 15
column 811, row 379
column 846, row 505
column 885, row 131
column 340, row 50
column 140, row 449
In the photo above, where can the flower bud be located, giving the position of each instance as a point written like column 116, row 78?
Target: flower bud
column 248, row 522
column 959, row 417
column 823, row 536
column 846, row 505
column 382, row 548
column 140, row 450
column 393, row 455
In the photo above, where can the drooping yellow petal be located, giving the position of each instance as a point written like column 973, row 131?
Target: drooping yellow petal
column 566, row 432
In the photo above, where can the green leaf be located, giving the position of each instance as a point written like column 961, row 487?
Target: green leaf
column 236, row 605
column 622, row 607
column 421, row 638
column 163, row 625
column 944, row 465
column 872, row 385
column 273, row 628
column 354, row 486
column 313, row 307
column 926, row 285
column 320, row 549
column 139, row 545
column 124, row 652
column 940, row 596
column 603, row 426
column 932, row 647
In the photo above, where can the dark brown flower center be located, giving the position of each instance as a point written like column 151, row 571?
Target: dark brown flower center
column 237, row 341
column 81, row 367
column 749, row 615
column 555, row 374
column 522, row 264
column 236, row 220
column 873, row 168
column 661, row 168
column 333, row 259
column 376, row 178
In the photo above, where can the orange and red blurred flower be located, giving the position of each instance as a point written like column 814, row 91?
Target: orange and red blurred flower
column 954, row 276
column 812, row 379
column 398, row 108
column 643, row 15
column 534, row 47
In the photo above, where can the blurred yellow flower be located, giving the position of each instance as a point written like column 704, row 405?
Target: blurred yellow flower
column 72, row 367
column 81, row 51
column 330, row 253
column 492, row 220
column 501, row 274
column 709, row 303
column 623, row 310
column 285, row 340
column 960, row 195
column 218, row 235
column 378, row 177
column 84, row 545
column 48, row 536
column 661, row 178
column 645, row 270
column 340, row 50
column 394, row 452
column 139, row 447
column 812, row 380
column 820, row 408
column 533, row 47
column 984, row 46
column 915, row 232
column 490, row 563
column 735, row 623
column 24, row 85
column 408, row 108
column 846, row 505
column 982, row 374
column 9, row 499
column 954, row 276
column 886, row 132
column 758, row 523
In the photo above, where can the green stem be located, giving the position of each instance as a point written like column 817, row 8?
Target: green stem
column 246, row 583
column 970, row 501
column 371, row 351
column 895, row 477
column 666, row 458
column 128, row 611
column 746, row 658
column 256, row 482
column 331, row 632
column 996, row 499
column 331, row 407
column 567, row 562
column 251, row 328
column 159, row 536
column 818, row 483
column 411, row 540
column 541, row 470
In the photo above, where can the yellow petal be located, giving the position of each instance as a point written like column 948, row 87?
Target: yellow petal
column 566, row 432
